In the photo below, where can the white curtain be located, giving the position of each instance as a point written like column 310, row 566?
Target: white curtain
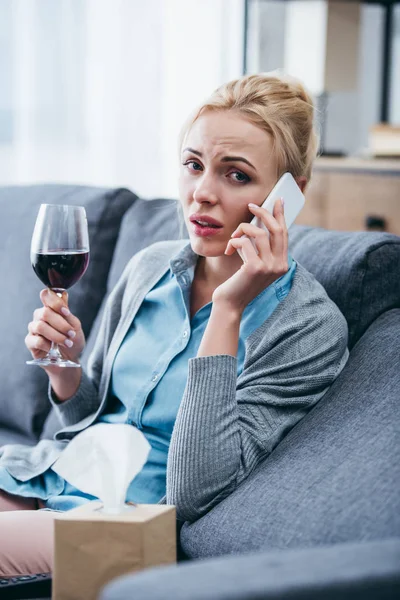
column 95, row 91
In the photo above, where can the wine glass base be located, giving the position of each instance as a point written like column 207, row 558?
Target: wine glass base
column 55, row 362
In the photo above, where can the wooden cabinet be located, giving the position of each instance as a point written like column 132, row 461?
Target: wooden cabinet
column 344, row 192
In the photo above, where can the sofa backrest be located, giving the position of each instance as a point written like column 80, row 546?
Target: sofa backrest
column 359, row 270
column 23, row 393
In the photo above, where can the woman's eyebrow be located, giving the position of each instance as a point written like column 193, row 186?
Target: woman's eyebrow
column 224, row 158
column 192, row 151
column 237, row 158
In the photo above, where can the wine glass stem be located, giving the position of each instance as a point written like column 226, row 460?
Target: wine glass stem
column 54, row 352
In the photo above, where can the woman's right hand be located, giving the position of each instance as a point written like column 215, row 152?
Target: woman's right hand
column 55, row 323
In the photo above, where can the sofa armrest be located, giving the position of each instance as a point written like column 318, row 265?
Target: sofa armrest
column 360, row 571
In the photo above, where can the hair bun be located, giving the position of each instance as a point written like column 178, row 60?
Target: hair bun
column 296, row 85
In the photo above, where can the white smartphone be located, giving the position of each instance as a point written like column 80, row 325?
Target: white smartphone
column 293, row 197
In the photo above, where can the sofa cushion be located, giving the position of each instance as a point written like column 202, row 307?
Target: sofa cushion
column 359, row 271
column 340, row 572
column 23, row 397
column 334, row 478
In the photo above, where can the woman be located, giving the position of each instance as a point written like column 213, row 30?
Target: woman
column 213, row 357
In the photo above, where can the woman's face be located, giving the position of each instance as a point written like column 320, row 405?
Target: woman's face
column 227, row 162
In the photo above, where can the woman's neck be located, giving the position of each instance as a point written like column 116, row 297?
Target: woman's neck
column 214, row 270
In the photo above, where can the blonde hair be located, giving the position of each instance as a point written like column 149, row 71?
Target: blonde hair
column 278, row 104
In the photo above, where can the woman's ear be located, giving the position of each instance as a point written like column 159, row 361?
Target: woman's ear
column 301, row 182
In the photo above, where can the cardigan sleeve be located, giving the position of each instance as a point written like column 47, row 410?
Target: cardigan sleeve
column 227, row 425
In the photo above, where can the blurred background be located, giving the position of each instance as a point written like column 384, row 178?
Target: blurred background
column 95, row 91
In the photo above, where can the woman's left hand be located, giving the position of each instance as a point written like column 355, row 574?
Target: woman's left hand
column 257, row 271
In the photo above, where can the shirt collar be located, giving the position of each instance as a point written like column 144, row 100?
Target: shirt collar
column 184, row 259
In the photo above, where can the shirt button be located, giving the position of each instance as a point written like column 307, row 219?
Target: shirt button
column 154, row 378
column 185, row 334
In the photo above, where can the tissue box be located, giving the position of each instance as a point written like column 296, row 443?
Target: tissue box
column 92, row 547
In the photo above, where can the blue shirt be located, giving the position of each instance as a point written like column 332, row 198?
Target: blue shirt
column 149, row 376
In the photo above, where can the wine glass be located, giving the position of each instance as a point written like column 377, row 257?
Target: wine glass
column 59, row 257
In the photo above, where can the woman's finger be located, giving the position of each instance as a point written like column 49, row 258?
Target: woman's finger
column 59, row 305
column 43, row 329
column 277, row 229
column 279, row 214
column 260, row 237
column 37, row 344
column 55, row 320
column 246, row 247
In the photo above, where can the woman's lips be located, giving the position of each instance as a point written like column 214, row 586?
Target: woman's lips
column 204, row 230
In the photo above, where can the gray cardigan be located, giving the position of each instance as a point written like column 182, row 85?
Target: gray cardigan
column 226, row 425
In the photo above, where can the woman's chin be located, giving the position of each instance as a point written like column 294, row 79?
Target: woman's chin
column 208, row 247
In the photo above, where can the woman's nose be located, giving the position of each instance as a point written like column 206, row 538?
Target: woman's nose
column 205, row 191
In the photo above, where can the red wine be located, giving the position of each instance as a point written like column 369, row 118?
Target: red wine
column 60, row 270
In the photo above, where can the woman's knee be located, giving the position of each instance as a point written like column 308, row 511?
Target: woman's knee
column 26, row 542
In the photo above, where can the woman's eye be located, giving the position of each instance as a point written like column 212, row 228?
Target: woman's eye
column 240, row 177
column 195, row 165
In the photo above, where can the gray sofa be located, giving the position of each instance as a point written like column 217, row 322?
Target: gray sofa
column 320, row 517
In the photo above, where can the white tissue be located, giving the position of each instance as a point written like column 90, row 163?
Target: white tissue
column 103, row 460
